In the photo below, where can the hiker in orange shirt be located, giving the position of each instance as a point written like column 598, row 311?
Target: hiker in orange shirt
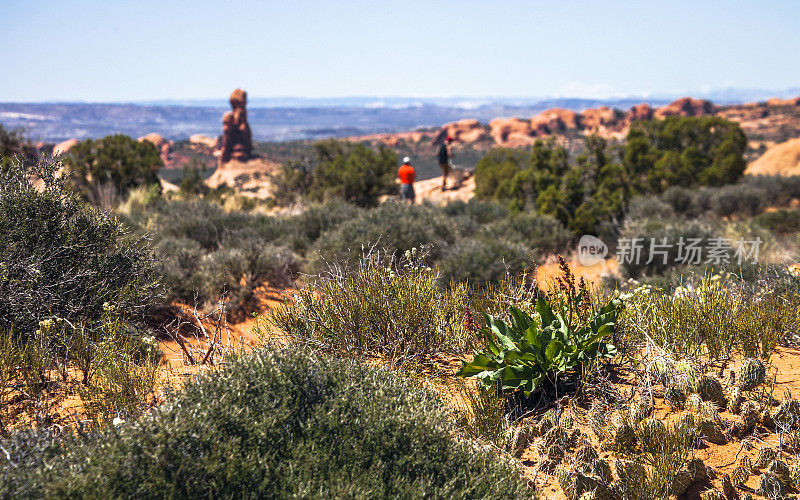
column 407, row 175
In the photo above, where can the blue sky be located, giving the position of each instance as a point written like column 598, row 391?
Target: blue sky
column 117, row 50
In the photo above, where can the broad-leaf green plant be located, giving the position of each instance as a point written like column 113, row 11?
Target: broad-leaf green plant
column 532, row 350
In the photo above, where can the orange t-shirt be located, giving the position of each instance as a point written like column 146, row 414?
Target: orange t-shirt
column 406, row 174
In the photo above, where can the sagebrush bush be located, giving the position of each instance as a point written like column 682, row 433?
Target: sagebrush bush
column 392, row 227
column 645, row 233
column 239, row 269
column 62, row 259
column 270, row 425
column 481, row 261
column 206, row 251
column 541, row 235
column 647, row 207
column 381, row 305
column 738, row 199
column 782, row 222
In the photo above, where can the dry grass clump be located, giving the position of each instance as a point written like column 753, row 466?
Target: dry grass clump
column 395, row 311
column 714, row 318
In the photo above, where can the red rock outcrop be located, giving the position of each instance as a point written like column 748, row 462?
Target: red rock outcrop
column 641, row 111
column 203, row 141
column 511, row 132
column 237, row 140
column 163, row 145
column 64, row 147
column 597, row 119
column 467, row 130
column 783, row 102
column 553, row 121
column 686, row 106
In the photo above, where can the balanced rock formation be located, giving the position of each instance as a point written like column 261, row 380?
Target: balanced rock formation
column 236, row 136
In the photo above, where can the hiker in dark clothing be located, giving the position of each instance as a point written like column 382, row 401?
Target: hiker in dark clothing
column 444, row 160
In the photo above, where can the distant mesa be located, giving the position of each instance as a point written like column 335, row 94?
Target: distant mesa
column 553, row 121
column 237, row 139
column 596, row 120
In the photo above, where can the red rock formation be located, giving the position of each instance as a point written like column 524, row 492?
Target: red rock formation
column 64, row 147
column 511, row 132
column 686, row 106
column 236, row 135
column 784, row 102
column 596, row 119
column 467, row 130
column 163, row 145
column 203, row 141
column 553, row 121
column 641, row 111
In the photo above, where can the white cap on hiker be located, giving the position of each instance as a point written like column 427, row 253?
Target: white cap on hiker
column 406, row 160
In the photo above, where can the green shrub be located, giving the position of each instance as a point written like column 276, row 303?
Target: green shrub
column 192, row 181
column 684, row 151
column 352, row 172
column 481, row 261
column 63, row 259
column 644, row 233
column 782, row 222
column 116, row 161
column 394, row 310
column 239, row 269
column 581, row 193
column 270, row 425
column 392, row 227
column 14, row 144
column 738, row 199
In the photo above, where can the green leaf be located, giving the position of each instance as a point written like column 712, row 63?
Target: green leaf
column 554, row 348
column 545, row 312
column 519, row 320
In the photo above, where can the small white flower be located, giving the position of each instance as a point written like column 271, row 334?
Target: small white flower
column 117, row 421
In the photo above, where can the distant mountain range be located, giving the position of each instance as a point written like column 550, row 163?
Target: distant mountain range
column 287, row 118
